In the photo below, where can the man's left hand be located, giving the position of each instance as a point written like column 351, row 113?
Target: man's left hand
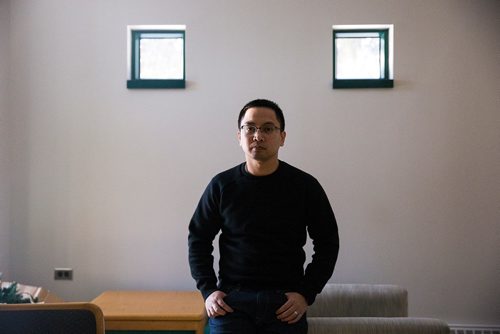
column 294, row 308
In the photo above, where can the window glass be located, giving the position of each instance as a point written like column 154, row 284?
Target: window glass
column 359, row 57
column 161, row 58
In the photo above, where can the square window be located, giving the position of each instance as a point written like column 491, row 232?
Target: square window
column 156, row 57
column 362, row 56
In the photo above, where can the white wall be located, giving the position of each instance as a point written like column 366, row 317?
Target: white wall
column 4, row 147
column 105, row 179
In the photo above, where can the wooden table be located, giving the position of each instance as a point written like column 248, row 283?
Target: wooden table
column 153, row 310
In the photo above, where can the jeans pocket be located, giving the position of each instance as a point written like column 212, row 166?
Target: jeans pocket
column 279, row 298
column 231, row 298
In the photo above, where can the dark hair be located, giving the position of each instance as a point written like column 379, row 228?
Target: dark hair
column 263, row 103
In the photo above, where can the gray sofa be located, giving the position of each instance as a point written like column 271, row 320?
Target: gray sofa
column 367, row 309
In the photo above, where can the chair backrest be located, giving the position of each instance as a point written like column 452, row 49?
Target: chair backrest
column 56, row 318
column 360, row 300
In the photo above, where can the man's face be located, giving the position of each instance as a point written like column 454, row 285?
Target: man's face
column 261, row 146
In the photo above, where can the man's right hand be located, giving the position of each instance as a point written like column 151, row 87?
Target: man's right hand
column 216, row 306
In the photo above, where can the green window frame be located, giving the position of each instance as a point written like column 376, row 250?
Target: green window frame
column 140, row 34
column 380, row 74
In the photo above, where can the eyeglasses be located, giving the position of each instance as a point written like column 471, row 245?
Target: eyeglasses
column 266, row 129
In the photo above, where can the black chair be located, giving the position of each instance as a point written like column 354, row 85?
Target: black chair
column 57, row 318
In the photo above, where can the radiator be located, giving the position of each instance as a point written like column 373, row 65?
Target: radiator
column 470, row 329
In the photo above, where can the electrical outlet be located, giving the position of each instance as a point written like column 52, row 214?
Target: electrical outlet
column 63, row 274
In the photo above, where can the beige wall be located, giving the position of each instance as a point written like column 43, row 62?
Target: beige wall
column 105, row 179
column 4, row 142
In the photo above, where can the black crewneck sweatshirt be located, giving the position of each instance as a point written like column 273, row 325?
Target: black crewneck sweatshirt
column 264, row 221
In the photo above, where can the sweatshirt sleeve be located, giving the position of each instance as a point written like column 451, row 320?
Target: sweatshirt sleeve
column 323, row 231
column 203, row 227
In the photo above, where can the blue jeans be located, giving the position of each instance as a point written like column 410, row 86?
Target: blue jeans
column 255, row 313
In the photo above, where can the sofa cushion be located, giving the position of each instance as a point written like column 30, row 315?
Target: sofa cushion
column 377, row 326
column 360, row 300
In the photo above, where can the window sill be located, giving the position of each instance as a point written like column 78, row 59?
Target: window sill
column 362, row 83
column 145, row 84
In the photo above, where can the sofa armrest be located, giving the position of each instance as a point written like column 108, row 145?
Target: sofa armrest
column 377, row 326
column 360, row 300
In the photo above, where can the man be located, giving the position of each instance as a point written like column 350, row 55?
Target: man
column 264, row 209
